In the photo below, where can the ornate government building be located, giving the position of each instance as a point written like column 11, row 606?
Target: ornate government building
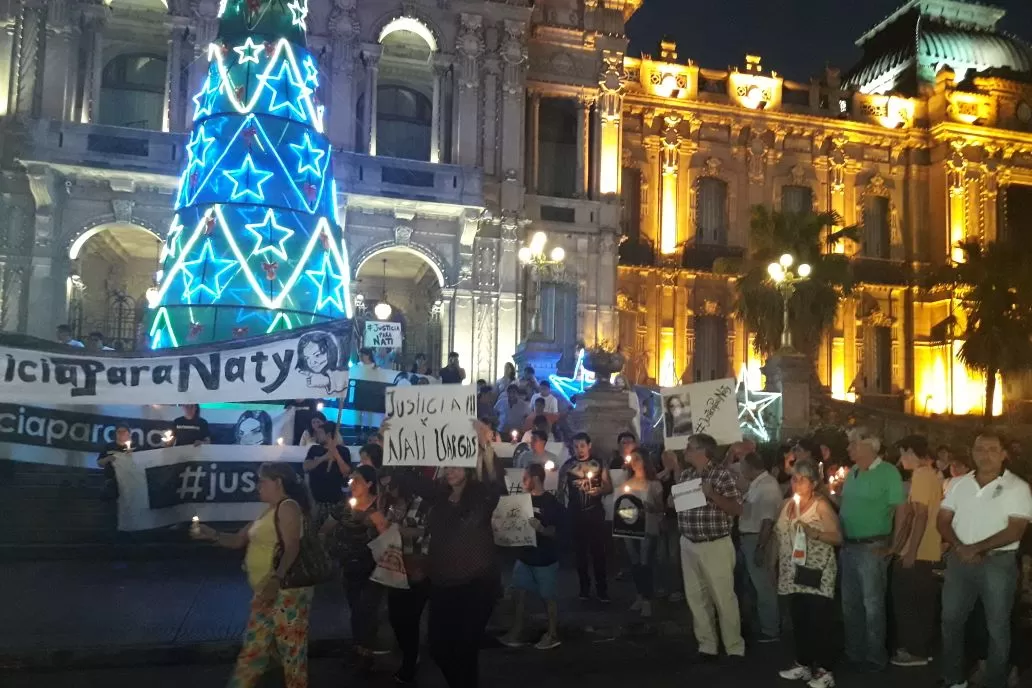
column 463, row 128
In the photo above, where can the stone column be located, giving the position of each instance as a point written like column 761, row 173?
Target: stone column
column 439, row 69
column 534, row 143
column 344, row 31
column 61, row 49
column 175, row 98
column 470, row 48
column 371, row 58
column 93, row 53
column 788, row 372
column 583, row 143
column 26, row 89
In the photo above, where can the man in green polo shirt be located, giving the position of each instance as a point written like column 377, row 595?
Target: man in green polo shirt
column 873, row 506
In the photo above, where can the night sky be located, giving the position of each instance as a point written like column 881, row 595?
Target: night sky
column 796, row 38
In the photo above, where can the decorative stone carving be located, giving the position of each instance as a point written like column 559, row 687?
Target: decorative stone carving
column 671, row 141
column 344, row 29
column 876, row 186
column 712, row 166
column 402, row 235
column 798, row 174
column 123, row 209
column 610, row 84
column 469, row 44
column 757, row 157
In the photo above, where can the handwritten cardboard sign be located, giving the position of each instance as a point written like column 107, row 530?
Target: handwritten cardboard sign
column 431, row 425
column 385, row 335
column 709, row 408
column 688, row 495
column 511, row 521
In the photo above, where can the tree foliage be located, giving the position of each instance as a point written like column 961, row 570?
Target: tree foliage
column 993, row 286
column 813, row 307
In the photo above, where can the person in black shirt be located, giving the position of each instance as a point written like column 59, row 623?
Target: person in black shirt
column 190, row 428
column 452, row 374
column 304, row 411
column 328, row 466
column 584, row 481
column 537, row 568
column 106, row 460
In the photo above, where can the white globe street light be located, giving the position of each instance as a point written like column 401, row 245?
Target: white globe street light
column 558, row 254
column 785, row 279
column 804, row 270
column 524, row 254
column 786, row 260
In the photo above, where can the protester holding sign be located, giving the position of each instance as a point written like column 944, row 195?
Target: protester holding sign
column 351, row 527
column 106, row 460
column 328, row 466
column 707, row 553
column 537, row 568
column 465, row 581
column 584, row 481
column 641, row 553
column 278, row 625
column 190, row 428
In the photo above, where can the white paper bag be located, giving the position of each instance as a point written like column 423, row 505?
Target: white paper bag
column 390, row 564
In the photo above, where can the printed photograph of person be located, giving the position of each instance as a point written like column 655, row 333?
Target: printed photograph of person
column 319, row 359
column 253, row 428
column 678, row 417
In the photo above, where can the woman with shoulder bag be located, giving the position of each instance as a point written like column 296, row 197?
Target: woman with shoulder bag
column 275, row 565
column 807, row 533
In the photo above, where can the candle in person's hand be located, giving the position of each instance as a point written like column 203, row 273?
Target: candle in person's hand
column 549, row 465
column 627, row 459
column 515, row 435
column 195, row 525
column 279, row 441
column 353, row 502
column 591, row 474
column 167, row 436
column 626, row 488
column 128, row 446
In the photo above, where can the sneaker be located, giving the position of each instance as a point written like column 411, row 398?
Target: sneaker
column 766, row 639
column 796, row 673
column 677, row 597
column 547, row 642
column 646, row 609
column 823, row 679
column 636, row 605
column 584, row 597
column 902, row 658
column 959, row 685
column 511, row 640
column 603, row 597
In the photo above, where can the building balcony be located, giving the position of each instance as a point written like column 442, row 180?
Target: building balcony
column 71, row 145
column 706, row 257
column 562, row 215
column 409, row 180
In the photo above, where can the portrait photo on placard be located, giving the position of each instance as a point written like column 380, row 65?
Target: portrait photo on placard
column 677, row 412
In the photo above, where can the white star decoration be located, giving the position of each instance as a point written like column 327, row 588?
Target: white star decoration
column 245, row 177
column 249, row 51
column 751, row 406
column 328, row 283
column 192, row 284
column 299, row 10
column 308, row 155
column 263, row 231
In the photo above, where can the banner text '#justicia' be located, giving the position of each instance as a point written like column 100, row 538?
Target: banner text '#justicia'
column 82, row 373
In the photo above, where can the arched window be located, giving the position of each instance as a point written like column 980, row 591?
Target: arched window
column 403, row 119
column 711, row 218
column 132, row 91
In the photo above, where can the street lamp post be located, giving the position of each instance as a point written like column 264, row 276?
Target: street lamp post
column 543, row 266
column 786, row 279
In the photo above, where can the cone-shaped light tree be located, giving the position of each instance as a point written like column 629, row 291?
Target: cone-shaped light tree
column 255, row 245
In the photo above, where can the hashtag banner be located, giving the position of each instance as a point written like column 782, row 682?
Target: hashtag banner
column 294, row 364
column 163, row 487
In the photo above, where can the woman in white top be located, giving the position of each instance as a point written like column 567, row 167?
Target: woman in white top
column 308, row 436
column 641, row 553
column 808, row 532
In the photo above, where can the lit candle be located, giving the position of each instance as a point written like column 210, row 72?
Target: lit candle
column 128, row 446
column 195, row 525
column 353, row 502
column 627, row 459
column 515, row 435
column 549, row 465
column 626, row 488
column 795, row 498
column 320, row 406
column 591, row 474
column 167, row 436
column 279, row 440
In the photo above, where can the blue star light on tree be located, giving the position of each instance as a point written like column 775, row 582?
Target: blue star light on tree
column 255, row 245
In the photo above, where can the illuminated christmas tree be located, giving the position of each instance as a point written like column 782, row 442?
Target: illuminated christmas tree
column 255, row 245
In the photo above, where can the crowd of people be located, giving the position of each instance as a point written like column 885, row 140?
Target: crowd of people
column 859, row 556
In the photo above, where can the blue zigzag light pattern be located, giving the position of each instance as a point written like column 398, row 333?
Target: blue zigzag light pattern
column 256, row 244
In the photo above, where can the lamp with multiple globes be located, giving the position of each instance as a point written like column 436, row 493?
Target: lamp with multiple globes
column 786, row 279
column 534, row 254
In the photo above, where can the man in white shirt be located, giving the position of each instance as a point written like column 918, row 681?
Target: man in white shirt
column 759, row 513
column 551, row 403
column 538, row 452
column 982, row 518
column 512, row 412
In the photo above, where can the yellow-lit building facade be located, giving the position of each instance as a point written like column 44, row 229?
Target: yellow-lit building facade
column 922, row 144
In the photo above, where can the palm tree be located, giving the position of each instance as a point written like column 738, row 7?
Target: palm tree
column 814, row 305
column 994, row 287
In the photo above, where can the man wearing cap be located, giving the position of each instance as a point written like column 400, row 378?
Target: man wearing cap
column 872, row 503
column 982, row 518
